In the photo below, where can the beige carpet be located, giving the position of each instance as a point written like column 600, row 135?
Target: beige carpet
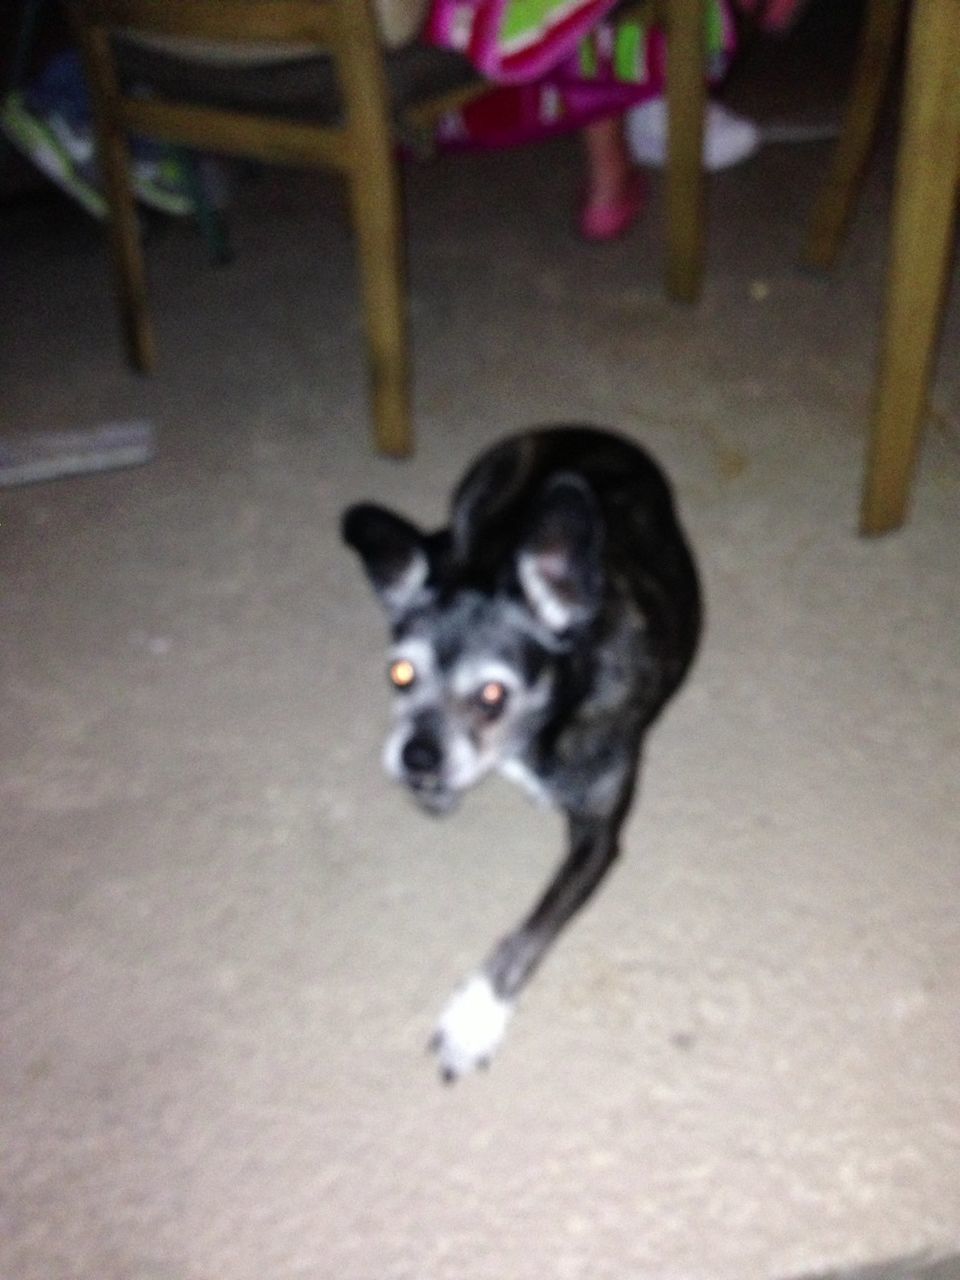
column 225, row 936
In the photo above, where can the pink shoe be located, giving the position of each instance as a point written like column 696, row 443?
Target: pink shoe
column 607, row 221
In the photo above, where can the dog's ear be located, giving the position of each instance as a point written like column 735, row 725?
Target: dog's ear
column 558, row 563
column 393, row 552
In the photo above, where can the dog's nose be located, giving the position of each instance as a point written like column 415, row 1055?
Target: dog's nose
column 421, row 755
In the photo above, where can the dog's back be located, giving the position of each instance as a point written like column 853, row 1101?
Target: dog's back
column 645, row 553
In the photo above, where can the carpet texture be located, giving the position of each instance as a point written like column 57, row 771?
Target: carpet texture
column 225, row 936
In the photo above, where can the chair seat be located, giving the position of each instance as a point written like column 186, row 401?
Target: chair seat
column 304, row 87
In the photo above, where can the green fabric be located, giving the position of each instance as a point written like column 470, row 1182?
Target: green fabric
column 524, row 16
column 522, row 19
column 714, row 29
column 630, row 52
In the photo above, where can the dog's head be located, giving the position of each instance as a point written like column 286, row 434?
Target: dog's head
column 478, row 648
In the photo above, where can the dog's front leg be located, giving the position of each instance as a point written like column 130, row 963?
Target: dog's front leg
column 476, row 1016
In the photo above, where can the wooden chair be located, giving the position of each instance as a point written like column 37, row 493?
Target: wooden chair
column 353, row 129
column 351, row 132
column 925, row 204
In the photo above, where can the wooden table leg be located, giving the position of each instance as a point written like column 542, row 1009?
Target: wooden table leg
column 925, row 201
column 838, row 196
column 686, row 103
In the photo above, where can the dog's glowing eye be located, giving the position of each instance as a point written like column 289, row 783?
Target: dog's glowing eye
column 402, row 673
column 493, row 697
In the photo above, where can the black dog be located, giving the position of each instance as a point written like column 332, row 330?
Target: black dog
column 538, row 635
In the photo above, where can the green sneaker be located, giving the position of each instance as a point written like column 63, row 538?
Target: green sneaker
column 162, row 183
column 67, row 157
column 35, row 139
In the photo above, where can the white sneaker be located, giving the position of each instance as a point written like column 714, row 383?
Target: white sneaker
column 727, row 138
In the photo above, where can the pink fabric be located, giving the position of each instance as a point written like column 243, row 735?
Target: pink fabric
column 563, row 101
column 480, row 21
column 546, row 90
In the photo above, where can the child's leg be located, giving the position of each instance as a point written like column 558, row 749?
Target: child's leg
column 608, row 161
column 614, row 188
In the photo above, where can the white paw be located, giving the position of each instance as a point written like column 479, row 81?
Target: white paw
column 470, row 1028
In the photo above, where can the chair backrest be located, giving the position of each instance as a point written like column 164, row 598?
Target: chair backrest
column 237, row 20
column 217, row 29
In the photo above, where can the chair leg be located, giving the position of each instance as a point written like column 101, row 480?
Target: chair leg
column 686, row 102
column 838, row 195
column 128, row 254
column 928, row 171
column 114, row 157
column 374, row 176
column 378, row 221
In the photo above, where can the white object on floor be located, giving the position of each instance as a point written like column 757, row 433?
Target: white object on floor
column 727, row 138
column 52, row 454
